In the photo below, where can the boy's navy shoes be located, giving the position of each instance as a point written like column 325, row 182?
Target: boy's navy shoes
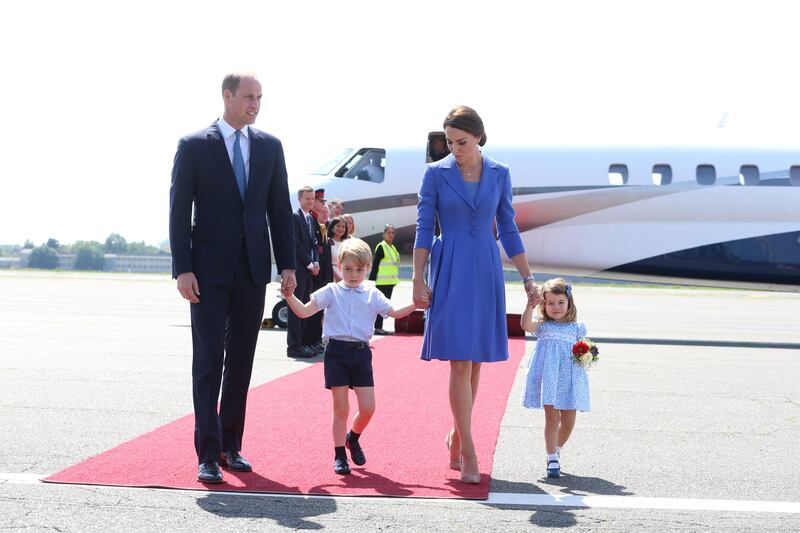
column 553, row 468
column 356, row 453
column 340, row 465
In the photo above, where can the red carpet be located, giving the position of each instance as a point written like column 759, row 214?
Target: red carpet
column 288, row 440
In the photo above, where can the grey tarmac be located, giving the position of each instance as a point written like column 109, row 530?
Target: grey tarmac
column 696, row 398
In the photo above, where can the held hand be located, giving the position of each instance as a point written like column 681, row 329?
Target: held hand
column 288, row 281
column 188, row 287
column 534, row 295
column 422, row 295
column 315, row 271
column 532, row 302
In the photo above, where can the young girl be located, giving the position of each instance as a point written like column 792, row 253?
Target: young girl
column 351, row 224
column 554, row 381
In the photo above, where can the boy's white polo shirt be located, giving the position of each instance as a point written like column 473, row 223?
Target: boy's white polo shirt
column 350, row 313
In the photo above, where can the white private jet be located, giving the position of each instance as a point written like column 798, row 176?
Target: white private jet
column 711, row 216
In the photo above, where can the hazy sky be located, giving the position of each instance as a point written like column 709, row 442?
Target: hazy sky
column 96, row 94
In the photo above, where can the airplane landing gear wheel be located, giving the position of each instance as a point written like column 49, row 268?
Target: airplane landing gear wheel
column 280, row 314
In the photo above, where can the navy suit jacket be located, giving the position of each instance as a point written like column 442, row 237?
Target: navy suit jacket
column 203, row 179
column 304, row 250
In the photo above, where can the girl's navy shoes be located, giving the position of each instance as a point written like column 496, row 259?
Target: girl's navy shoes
column 553, row 468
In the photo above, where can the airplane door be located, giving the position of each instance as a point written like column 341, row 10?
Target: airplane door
column 437, row 146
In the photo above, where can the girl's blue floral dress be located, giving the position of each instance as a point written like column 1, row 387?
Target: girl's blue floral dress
column 553, row 378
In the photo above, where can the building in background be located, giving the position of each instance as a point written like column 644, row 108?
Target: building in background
column 113, row 262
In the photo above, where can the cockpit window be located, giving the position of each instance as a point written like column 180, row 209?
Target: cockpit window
column 328, row 167
column 368, row 164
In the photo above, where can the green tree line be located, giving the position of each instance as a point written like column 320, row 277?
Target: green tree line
column 89, row 255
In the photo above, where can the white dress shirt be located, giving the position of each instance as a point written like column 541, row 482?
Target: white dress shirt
column 350, row 313
column 229, row 135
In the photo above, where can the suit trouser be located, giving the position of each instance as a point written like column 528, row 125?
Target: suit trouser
column 296, row 327
column 387, row 291
column 225, row 325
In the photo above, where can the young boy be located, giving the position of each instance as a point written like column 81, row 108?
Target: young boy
column 350, row 311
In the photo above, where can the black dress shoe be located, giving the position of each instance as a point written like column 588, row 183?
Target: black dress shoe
column 356, row 452
column 234, row 461
column 209, row 472
column 340, row 466
column 300, row 352
column 318, row 347
column 381, row 331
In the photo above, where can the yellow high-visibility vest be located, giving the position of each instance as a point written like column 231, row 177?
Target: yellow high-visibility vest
column 389, row 268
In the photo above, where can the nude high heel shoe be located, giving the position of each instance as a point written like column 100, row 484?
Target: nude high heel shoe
column 473, row 478
column 455, row 464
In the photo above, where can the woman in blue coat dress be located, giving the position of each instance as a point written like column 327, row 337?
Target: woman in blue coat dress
column 465, row 298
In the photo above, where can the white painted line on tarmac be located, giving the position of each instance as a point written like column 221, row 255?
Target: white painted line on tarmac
column 636, row 502
column 21, row 478
column 495, row 498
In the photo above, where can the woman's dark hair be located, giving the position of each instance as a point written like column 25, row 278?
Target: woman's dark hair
column 465, row 118
column 332, row 224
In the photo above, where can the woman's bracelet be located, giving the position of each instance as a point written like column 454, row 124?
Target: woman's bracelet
column 529, row 278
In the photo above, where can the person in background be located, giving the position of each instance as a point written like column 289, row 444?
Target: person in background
column 336, row 207
column 351, row 224
column 438, row 149
column 307, row 258
column 385, row 270
column 323, row 217
column 313, row 332
column 337, row 232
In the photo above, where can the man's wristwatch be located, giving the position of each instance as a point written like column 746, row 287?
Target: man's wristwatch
column 529, row 278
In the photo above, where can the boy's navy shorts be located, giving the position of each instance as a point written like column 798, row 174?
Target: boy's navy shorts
column 348, row 364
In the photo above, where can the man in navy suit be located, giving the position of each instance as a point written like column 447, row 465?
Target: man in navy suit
column 234, row 178
column 307, row 259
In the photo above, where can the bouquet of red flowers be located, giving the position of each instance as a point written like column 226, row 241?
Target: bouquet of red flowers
column 585, row 352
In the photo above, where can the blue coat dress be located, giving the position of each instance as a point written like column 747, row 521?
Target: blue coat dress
column 466, row 319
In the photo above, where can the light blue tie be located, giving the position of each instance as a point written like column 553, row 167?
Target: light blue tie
column 238, row 165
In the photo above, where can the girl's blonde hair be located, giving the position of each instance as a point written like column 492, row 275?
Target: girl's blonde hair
column 357, row 251
column 558, row 286
column 347, row 217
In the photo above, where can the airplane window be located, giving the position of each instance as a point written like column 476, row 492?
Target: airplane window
column 706, row 174
column 794, row 175
column 748, row 175
column 662, row 174
column 328, row 167
column 370, row 166
column 618, row 174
